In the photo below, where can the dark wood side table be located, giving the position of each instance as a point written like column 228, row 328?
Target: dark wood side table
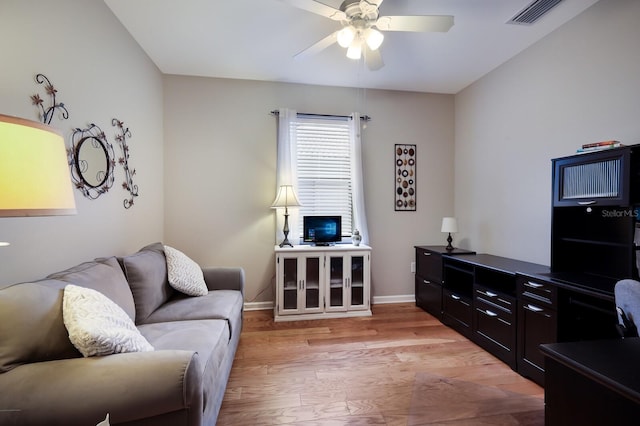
column 592, row 382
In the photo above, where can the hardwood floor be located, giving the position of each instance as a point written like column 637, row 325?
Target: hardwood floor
column 355, row 371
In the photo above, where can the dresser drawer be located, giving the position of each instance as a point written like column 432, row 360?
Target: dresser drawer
column 457, row 307
column 429, row 265
column 495, row 330
column 429, row 296
column 538, row 290
column 501, row 301
column 496, row 324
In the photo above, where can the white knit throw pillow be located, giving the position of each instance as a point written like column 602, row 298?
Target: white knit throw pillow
column 97, row 325
column 185, row 275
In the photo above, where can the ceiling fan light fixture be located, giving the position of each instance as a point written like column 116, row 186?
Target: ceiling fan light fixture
column 355, row 49
column 346, row 36
column 374, row 38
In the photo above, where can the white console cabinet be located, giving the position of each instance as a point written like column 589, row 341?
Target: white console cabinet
column 322, row 282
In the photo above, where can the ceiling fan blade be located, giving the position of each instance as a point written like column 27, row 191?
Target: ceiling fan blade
column 373, row 58
column 427, row 23
column 318, row 8
column 318, row 47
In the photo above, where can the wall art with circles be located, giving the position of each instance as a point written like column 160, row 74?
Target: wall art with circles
column 405, row 177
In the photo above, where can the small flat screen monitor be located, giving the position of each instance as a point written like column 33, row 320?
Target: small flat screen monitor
column 322, row 230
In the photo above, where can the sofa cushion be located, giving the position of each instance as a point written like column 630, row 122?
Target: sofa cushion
column 146, row 272
column 206, row 337
column 104, row 275
column 217, row 304
column 31, row 325
column 184, row 274
column 98, row 326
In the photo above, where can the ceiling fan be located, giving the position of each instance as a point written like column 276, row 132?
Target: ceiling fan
column 362, row 25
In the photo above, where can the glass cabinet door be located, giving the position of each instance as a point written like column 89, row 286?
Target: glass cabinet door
column 300, row 284
column 290, row 284
column 348, row 281
column 313, row 275
column 356, row 283
column 336, row 283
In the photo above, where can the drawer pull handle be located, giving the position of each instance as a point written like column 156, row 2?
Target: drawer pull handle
column 454, row 297
column 533, row 285
column 490, row 293
column 533, row 308
column 426, row 282
column 427, row 253
column 489, row 313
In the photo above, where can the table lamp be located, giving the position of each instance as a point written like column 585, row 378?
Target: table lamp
column 286, row 198
column 449, row 224
column 34, row 173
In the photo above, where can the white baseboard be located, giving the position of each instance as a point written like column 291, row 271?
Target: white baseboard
column 377, row 300
column 258, row 306
column 406, row 298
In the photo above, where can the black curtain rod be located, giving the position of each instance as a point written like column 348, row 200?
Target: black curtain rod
column 328, row 116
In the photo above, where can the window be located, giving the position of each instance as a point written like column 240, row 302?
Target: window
column 323, row 160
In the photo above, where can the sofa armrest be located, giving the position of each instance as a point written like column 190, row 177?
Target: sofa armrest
column 218, row 278
column 81, row 391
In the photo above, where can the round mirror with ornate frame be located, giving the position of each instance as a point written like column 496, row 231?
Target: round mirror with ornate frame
column 92, row 160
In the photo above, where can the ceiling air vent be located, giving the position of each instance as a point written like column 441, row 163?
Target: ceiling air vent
column 533, row 12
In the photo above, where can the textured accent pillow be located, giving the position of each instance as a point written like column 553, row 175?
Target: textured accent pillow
column 97, row 325
column 185, row 275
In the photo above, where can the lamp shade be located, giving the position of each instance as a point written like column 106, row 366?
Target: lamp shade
column 286, row 197
column 449, row 224
column 34, row 173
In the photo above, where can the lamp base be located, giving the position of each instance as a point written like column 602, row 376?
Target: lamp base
column 449, row 240
column 286, row 242
column 285, row 230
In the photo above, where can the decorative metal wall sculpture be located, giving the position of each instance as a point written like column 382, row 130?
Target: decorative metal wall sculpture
column 91, row 160
column 128, row 184
column 405, row 177
column 91, row 157
column 47, row 113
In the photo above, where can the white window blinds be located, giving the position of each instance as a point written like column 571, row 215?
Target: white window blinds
column 324, row 169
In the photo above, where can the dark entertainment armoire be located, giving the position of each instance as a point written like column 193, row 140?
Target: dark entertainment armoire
column 595, row 212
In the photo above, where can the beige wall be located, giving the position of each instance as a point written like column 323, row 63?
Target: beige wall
column 207, row 190
column 220, row 160
column 580, row 84
column 100, row 73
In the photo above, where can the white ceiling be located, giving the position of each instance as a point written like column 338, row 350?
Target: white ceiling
column 256, row 40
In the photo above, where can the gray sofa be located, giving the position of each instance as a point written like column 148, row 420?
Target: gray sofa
column 45, row 380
